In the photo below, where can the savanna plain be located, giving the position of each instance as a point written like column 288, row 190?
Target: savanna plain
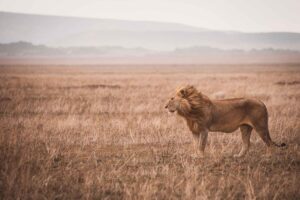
column 102, row 132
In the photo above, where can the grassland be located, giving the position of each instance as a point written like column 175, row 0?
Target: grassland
column 101, row 132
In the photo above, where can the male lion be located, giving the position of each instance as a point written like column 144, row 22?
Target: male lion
column 203, row 115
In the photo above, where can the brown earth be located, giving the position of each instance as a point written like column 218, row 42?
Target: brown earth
column 94, row 132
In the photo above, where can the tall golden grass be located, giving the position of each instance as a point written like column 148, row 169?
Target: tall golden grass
column 94, row 132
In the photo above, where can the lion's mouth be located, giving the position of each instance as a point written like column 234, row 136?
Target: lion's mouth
column 171, row 111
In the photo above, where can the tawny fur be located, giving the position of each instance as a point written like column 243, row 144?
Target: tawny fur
column 204, row 115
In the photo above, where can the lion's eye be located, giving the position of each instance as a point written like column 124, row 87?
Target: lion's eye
column 172, row 98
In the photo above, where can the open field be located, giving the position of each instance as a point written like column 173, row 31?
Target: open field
column 94, row 132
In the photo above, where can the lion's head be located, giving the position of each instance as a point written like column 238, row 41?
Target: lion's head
column 189, row 103
column 182, row 101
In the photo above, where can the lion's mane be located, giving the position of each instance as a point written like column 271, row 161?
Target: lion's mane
column 193, row 106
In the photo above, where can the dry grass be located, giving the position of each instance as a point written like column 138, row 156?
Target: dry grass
column 102, row 132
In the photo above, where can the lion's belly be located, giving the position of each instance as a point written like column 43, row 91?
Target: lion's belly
column 228, row 122
column 227, row 128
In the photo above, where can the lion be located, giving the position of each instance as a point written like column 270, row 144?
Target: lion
column 204, row 115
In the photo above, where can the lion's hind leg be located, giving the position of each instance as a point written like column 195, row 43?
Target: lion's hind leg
column 246, row 133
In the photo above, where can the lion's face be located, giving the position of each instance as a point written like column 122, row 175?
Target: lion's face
column 173, row 104
column 179, row 101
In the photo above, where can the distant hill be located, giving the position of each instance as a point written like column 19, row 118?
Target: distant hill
column 26, row 49
column 24, row 52
column 74, row 31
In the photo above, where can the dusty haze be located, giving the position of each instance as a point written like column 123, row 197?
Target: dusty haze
column 83, row 86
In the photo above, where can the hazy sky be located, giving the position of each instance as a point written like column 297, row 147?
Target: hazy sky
column 241, row 15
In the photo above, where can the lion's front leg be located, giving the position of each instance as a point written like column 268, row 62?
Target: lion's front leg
column 203, row 140
column 195, row 144
column 200, row 140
